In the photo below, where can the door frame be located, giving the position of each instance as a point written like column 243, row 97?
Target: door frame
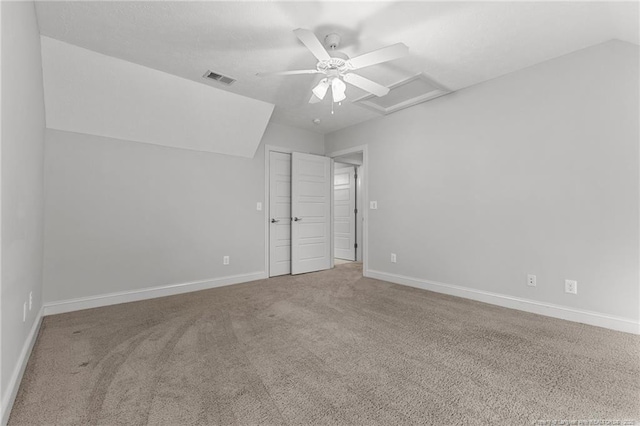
column 364, row 170
column 354, row 183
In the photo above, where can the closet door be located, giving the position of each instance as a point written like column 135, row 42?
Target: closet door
column 311, row 211
column 280, row 214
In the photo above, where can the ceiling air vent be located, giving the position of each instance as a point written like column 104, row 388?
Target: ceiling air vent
column 219, row 77
column 404, row 94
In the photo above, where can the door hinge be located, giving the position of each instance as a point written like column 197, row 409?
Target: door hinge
column 355, row 211
column 355, row 245
column 355, row 176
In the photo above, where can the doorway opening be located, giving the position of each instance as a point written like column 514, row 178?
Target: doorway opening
column 345, row 212
column 348, row 207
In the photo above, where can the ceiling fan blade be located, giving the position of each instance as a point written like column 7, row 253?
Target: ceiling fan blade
column 309, row 39
column 314, row 99
column 385, row 54
column 293, row 72
column 366, row 84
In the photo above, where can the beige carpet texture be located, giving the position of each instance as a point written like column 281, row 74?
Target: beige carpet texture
column 327, row 348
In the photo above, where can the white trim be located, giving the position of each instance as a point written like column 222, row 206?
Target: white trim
column 332, row 254
column 364, row 170
column 2, row 406
column 62, row 306
column 16, row 378
column 626, row 325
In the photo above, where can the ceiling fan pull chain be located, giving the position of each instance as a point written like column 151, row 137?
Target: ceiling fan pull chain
column 332, row 106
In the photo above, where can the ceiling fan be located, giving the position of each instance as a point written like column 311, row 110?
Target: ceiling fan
column 338, row 68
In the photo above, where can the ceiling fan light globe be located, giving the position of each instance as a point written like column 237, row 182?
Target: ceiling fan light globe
column 337, row 89
column 339, row 97
column 321, row 89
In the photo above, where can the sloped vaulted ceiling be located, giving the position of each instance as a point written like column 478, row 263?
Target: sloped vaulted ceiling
column 87, row 92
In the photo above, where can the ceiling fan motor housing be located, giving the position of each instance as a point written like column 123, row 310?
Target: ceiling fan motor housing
column 333, row 66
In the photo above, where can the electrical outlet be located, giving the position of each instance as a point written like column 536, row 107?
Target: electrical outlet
column 24, row 312
column 393, row 258
column 571, row 286
column 373, row 205
column 259, row 206
column 30, row 300
column 225, row 260
column 531, row 280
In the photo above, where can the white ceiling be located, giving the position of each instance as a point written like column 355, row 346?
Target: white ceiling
column 456, row 43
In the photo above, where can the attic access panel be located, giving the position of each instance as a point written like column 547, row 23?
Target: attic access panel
column 404, row 94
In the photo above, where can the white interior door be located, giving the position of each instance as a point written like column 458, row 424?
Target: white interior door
column 344, row 202
column 311, row 211
column 280, row 214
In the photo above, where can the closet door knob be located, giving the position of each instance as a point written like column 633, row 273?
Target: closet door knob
column 297, row 219
column 274, row 220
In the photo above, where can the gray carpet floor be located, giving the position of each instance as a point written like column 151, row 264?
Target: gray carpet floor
column 324, row 348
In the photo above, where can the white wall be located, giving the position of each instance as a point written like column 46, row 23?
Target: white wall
column 87, row 92
column 534, row 172
column 23, row 122
column 123, row 216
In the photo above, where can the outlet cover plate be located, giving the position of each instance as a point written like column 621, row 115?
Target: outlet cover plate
column 571, row 286
column 531, row 280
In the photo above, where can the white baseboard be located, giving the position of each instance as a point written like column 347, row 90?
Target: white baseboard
column 18, row 371
column 556, row 311
column 62, row 306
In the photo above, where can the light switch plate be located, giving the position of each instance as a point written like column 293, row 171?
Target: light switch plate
column 259, row 206
column 373, row 205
